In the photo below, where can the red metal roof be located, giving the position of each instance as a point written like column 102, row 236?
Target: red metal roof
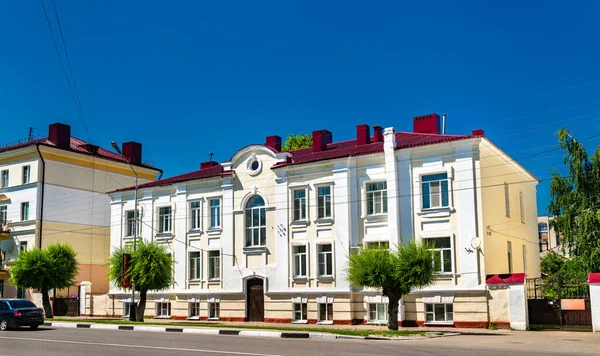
column 509, row 278
column 215, row 171
column 76, row 145
column 351, row 149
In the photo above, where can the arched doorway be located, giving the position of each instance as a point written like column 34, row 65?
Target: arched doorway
column 255, row 300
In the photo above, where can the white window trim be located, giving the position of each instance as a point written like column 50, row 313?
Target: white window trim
column 305, row 221
column 253, row 172
column 169, row 310
column 216, row 229
column 299, row 321
column 165, row 234
column 28, row 174
column 209, row 302
column 214, row 280
column 376, row 321
column 324, row 300
column 432, row 235
column 377, row 216
column 418, row 192
column 197, row 230
column 444, row 322
column 189, row 265
column 292, row 258
column 139, row 227
column 333, row 271
column 2, row 185
column 192, row 301
column 326, row 220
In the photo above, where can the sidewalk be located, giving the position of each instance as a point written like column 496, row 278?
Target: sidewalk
column 286, row 326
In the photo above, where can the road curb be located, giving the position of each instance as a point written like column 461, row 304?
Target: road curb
column 233, row 332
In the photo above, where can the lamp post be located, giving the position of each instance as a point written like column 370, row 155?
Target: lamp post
column 132, row 306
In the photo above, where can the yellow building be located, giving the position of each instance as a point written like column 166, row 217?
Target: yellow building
column 53, row 189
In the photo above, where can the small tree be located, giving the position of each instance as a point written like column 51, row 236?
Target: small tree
column 151, row 268
column 395, row 273
column 44, row 269
column 295, row 142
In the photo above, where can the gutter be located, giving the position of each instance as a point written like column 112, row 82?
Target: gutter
column 37, row 146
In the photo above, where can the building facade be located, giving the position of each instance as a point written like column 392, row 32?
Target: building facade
column 548, row 238
column 53, row 190
column 266, row 235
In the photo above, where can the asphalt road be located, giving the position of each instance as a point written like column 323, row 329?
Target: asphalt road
column 89, row 342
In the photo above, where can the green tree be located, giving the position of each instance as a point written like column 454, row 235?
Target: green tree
column 394, row 272
column 151, row 268
column 54, row 267
column 575, row 201
column 294, row 142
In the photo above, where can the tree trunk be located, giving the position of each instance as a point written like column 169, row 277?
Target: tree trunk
column 393, row 311
column 141, row 306
column 46, row 303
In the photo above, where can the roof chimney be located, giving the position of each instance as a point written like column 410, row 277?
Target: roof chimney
column 60, row 135
column 377, row 134
column 132, row 151
column 427, row 124
column 205, row 165
column 363, row 134
column 320, row 140
column 274, row 142
column 477, row 133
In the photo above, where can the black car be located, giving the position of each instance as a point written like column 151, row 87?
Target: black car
column 15, row 313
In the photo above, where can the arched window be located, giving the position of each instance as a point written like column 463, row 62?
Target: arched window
column 256, row 222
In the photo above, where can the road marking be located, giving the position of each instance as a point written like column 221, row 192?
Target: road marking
column 139, row 346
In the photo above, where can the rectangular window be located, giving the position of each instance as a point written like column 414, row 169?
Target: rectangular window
column 434, row 188
column 214, row 310
column 163, row 309
column 26, row 174
column 377, row 198
column 299, row 204
column 299, row 261
column 325, row 312
column 438, row 313
column 215, row 213
column 23, row 246
column 165, row 219
column 214, row 265
column 525, row 259
column 522, row 207
column 130, row 230
column 380, row 245
column 3, row 214
column 506, row 200
column 256, row 227
column 324, row 202
column 4, row 181
column 378, row 312
column 195, row 215
column 194, row 310
column 442, row 253
column 126, row 309
column 325, row 260
column 509, row 255
column 195, row 266
column 25, row 211
column 300, row 311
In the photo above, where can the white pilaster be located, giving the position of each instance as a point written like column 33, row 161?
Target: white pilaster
column 229, row 273
column 282, row 274
column 405, row 206
column 84, row 289
column 391, row 177
column 180, row 230
column 517, row 305
column 343, row 221
column 594, row 282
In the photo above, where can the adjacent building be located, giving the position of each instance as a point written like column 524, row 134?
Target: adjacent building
column 548, row 238
column 53, row 189
column 266, row 235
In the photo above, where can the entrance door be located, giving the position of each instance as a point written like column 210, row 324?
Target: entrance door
column 255, row 300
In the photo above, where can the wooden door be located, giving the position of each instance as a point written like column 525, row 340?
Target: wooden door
column 255, row 300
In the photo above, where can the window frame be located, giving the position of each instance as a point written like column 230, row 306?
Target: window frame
column 377, row 308
column 303, row 312
column 328, row 305
column 384, row 203
column 26, row 174
column 4, row 214
column 195, row 219
column 452, row 248
column 304, row 266
column 507, row 199
column 214, row 306
column 433, row 313
column 25, row 211
column 303, row 205
column 194, row 265
column 214, row 270
column 262, row 229
column 160, row 221
column 194, row 306
column 219, row 215
column 441, row 192
column 522, row 207
column 509, row 256
column 331, row 259
column 127, row 222
column 3, row 173
column 324, row 208
column 159, row 307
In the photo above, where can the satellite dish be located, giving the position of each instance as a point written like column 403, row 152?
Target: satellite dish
column 6, row 245
column 476, row 243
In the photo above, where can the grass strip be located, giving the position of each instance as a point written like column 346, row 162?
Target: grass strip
column 351, row 332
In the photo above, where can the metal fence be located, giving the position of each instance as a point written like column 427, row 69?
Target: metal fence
column 558, row 288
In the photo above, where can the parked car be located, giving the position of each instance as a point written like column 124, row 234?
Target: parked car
column 15, row 313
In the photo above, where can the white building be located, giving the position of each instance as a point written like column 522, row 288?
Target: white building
column 266, row 235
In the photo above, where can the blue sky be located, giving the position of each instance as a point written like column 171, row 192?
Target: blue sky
column 189, row 78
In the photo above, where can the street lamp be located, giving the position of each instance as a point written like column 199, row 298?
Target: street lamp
column 132, row 306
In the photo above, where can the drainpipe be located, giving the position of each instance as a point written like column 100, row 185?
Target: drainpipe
column 37, row 145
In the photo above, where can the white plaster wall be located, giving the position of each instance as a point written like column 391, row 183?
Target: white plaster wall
column 595, row 304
